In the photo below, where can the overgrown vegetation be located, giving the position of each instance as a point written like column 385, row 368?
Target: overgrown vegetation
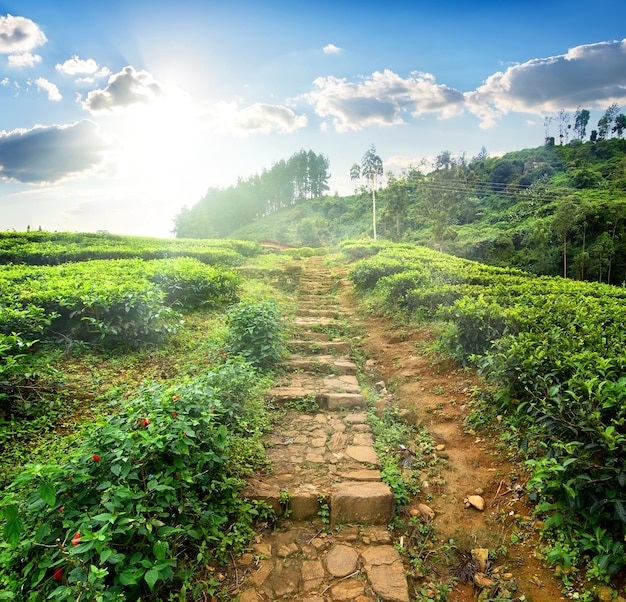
column 554, row 351
column 137, row 503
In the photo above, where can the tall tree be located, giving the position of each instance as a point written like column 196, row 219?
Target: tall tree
column 564, row 126
column 565, row 218
column 620, row 125
column 605, row 124
column 397, row 196
column 581, row 119
column 371, row 169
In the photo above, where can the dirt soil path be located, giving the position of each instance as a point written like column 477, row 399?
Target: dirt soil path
column 331, row 544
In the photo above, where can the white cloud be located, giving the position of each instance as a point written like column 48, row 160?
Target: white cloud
column 259, row 118
column 19, row 35
column 78, row 66
column 26, row 59
column 591, row 75
column 399, row 164
column 49, row 88
column 383, row 98
column 124, row 89
column 332, row 49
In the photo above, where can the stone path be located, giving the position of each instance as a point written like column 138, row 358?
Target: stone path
column 332, row 543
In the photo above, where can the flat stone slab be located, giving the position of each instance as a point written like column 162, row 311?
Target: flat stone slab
column 342, row 560
column 385, row 573
column 361, row 475
column 323, row 313
column 344, row 383
column 363, row 453
column 306, row 322
column 356, row 418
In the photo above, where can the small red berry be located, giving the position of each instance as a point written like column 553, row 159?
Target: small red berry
column 58, row 573
column 145, row 422
column 174, row 414
column 96, row 458
column 76, row 539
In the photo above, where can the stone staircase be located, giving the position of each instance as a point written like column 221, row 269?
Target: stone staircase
column 331, row 542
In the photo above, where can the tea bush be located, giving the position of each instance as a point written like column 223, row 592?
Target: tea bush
column 554, row 351
column 148, row 497
column 53, row 248
column 256, row 332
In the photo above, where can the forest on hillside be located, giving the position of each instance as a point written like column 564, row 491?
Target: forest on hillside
column 557, row 209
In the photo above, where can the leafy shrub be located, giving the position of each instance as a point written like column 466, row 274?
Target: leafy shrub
column 189, row 283
column 147, row 497
column 29, row 321
column 368, row 272
column 256, row 332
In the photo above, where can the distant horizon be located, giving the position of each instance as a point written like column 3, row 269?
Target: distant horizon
column 118, row 115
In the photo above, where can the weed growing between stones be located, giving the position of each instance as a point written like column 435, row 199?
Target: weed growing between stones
column 305, row 405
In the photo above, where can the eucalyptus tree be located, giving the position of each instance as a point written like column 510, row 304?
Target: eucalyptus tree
column 581, row 119
column 371, row 169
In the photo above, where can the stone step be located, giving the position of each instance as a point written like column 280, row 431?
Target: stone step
column 325, row 400
column 308, row 322
column 363, row 503
column 324, row 347
column 310, row 335
column 350, row 502
column 338, row 401
column 323, row 313
column 321, row 364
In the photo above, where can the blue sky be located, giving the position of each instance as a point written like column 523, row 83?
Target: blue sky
column 114, row 115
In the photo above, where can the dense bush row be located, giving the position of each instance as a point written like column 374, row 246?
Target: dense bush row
column 555, row 349
column 52, row 248
column 110, row 302
column 130, row 303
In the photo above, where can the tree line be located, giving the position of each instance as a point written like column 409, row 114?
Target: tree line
column 612, row 123
column 303, row 176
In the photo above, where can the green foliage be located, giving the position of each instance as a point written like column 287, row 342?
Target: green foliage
column 145, row 498
column 256, row 332
column 393, row 440
column 554, row 350
column 190, row 284
column 51, row 248
column 303, row 176
column 122, row 302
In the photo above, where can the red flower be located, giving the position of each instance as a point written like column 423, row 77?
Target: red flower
column 174, row 414
column 76, row 539
column 96, row 458
column 58, row 573
column 145, row 422
column 206, row 362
